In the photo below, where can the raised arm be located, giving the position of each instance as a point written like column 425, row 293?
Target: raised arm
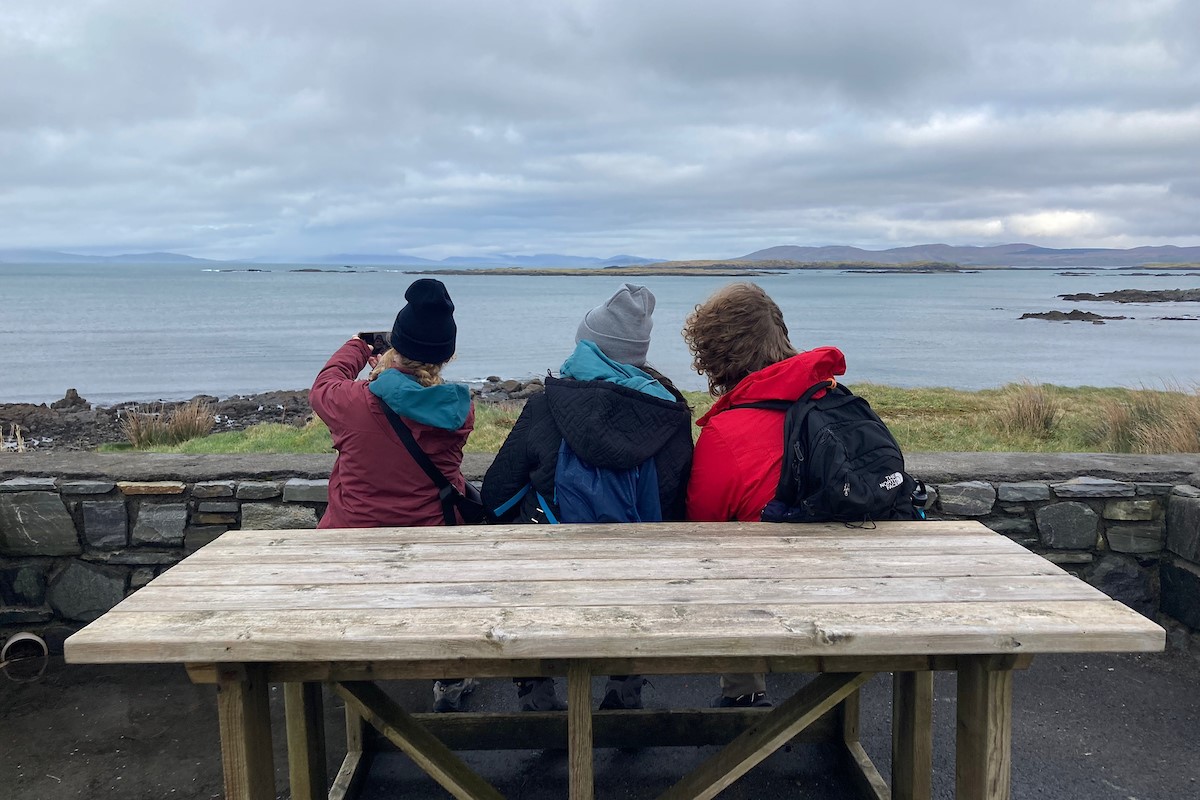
column 330, row 393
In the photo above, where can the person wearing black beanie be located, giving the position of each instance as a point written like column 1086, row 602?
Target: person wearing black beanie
column 424, row 329
column 375, row 481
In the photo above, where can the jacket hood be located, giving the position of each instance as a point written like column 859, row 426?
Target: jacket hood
column 783, row 380
column 445, row 405
column 588, row 363
column 610, row 425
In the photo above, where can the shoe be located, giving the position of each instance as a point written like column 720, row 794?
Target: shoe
column 752, row 700
column 623, row 693
column 538, row 694
column 448, row 695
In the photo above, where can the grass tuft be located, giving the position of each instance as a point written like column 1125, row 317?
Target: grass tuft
column 1149, row 422
column 147, row 428
column 1029, row 409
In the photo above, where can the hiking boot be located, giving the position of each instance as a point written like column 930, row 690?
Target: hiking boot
column 752, row 700
column 448, row 694
column 538, row 694
column 623, row 693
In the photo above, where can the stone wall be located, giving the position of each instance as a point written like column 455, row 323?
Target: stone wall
column 78, row 532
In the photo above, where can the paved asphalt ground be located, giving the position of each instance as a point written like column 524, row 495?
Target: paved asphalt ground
column 1111, row 726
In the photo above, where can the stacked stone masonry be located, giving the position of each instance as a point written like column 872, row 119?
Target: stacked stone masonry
column 72, row 546
column 72, row 549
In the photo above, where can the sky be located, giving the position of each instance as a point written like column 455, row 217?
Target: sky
column 669, row 129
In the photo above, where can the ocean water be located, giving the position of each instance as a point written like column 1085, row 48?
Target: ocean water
column 146, row 332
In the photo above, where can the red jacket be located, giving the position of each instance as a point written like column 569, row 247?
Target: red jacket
column 738, row 457
column 374, row 481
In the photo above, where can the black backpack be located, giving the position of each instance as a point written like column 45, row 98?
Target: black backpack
column 840, row 462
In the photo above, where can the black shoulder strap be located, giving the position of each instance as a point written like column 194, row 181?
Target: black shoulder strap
column 785, row 405
column 770, row 405
column 446, row 490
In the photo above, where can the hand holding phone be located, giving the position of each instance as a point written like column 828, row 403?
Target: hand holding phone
column 378, row 340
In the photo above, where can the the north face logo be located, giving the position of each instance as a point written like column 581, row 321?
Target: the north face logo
column 892, row 481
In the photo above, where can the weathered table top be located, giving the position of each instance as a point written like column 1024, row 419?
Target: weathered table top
column 666, row 590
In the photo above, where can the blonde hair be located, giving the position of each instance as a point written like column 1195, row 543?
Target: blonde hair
column 737, row 331
column 426, row 374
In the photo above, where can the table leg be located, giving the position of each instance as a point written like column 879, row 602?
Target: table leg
column 353, row 773
column 984, row 742
column 579, row 730
column 244, row 714
column 863, row 774
column 306, row 741
column 912, row 735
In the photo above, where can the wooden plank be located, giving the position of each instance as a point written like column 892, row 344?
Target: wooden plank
column 547, row 730
column 772, row 732
column 304, row 712
column 348, row 783
column 325, row 671
column 912, row 736
column 664, row 530
column 799, row 567
column 848, row 716
column 581, row 780
column 244, row 715
column 984, row 733
column 614, row 592
column 350, row 778
column 863, row 774
column 802, row 564
column 616, row 632
column 575, row 547
column 447, row 769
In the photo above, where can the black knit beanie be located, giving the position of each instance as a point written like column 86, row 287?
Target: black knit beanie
column 425, row 329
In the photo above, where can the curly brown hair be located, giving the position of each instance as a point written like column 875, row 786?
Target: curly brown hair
column 425, row 374
column 737, row 331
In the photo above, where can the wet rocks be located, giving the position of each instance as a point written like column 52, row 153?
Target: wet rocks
column 495, row 390
column 1074, row 315
column 1138, row 296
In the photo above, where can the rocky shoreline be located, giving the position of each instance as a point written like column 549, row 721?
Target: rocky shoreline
column 73, row 423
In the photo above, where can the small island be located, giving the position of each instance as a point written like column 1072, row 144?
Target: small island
column 1137, row 296
column 1074, row 315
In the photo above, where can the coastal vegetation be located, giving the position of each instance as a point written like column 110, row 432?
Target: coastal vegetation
column 1023, row 417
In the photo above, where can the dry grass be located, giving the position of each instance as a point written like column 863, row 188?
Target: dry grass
column 1029, row 409
column 151, row 428
column 1044, row 418
column 1150, row 422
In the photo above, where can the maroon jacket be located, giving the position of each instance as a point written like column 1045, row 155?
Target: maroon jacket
column 738, row 457
column 374, row 481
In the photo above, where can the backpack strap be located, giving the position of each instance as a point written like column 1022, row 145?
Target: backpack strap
column 784, row 405
column 447, row 494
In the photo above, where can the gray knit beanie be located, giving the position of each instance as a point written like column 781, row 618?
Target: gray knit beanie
column 621, row 325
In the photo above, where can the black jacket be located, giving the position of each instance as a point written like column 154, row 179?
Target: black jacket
column 606, row 425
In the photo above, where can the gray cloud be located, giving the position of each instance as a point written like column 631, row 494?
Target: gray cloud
column 671, row 128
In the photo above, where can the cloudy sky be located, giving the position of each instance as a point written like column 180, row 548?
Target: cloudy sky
column 673, row 128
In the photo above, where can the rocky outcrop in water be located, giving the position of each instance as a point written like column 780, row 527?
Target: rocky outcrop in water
column 1138, row 296
column 1074, row 315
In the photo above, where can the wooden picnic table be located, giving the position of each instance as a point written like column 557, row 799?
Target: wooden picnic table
column 349, row 607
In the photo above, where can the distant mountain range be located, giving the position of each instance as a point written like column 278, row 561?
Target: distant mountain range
column 1001, row 255
column 338, row 259
column 51, row 257
column 499, row 260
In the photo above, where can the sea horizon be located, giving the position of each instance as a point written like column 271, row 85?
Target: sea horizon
column 145, row 332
